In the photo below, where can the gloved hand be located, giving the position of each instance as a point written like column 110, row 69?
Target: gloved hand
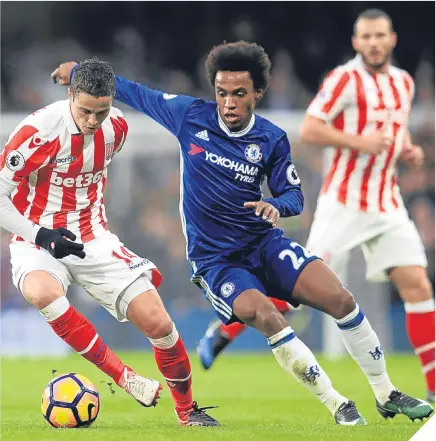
column 57, row 244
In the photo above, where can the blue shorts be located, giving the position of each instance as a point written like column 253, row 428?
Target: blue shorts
column 272, row 268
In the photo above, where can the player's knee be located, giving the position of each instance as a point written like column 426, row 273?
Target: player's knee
column 268, row 319
column 419, row 291
column 153, row 321
column 40, row 289
column 145, row 309
column 160, row 329
column 345, row 303
column 425, row 288
column 412, row 283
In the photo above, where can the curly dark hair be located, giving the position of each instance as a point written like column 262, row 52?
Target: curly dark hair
column 240, row 56
column 95, row 77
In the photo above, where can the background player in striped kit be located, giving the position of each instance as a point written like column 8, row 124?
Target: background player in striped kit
column 54, row 166
column 362, row 111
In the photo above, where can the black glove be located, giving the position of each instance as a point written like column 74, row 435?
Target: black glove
column 57, row 244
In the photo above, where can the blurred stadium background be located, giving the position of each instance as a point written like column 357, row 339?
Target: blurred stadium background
column 164, row 46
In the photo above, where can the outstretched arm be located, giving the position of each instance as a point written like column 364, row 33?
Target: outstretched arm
column 167, row 110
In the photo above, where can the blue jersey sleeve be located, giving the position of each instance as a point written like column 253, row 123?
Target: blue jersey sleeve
column 167, row 110
column 283, row 181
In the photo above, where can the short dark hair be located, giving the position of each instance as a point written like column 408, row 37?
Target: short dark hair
column 240, row 56
column 95, row 77
column 373, row 14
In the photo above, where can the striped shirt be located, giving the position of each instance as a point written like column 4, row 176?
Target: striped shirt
column 60, row 174
column 358, row 103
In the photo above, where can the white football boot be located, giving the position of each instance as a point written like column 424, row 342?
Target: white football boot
column 144, row 390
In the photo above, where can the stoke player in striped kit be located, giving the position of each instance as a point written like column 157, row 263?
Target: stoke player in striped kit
column 361, row 112
column 52, row 177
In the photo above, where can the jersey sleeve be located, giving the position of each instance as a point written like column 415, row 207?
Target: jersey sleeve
column 334, row 95
column 167, row 110
column 121, row 129
column 409, row 84
column 25, row 152
column 283, row 181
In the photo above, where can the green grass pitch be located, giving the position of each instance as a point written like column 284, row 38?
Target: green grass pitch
column 257, row 401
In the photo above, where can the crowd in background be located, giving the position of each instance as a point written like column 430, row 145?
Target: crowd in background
column 165, row 46
column 132, row 39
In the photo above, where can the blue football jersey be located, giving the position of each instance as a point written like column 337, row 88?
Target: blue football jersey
column 221, row 170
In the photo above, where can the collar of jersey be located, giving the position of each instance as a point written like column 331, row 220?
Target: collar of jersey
column 225, row 129
column 358, row 61
column 69, row 120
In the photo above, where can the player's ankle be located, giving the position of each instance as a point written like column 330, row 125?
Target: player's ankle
column 382, row 389
column 333, row 400
column 121, row 379
column 181, row 409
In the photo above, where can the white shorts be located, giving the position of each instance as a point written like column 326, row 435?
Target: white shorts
column 106, row 271
column 388, row 240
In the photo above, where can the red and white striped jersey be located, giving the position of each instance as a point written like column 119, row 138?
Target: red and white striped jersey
column 357, row 102
column 59, row 173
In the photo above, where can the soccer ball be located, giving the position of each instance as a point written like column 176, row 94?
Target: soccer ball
column 70, row 400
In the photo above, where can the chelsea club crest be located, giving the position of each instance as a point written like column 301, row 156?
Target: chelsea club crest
column 227, row 289
column 253, row 153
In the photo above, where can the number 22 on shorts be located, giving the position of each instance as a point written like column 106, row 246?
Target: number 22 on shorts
column 296, row 261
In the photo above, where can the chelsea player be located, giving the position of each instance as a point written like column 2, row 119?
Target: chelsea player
column 238, row 256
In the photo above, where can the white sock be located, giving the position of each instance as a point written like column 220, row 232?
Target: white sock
column 297, row 359
column 55, row 309
column 420, row 307
column 166, row 342
column 364, row 346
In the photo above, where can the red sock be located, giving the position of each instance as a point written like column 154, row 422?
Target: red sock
column 80, row 334
column 281, row 305
column 174, row 365
column 421, row 331
column 234, row 329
